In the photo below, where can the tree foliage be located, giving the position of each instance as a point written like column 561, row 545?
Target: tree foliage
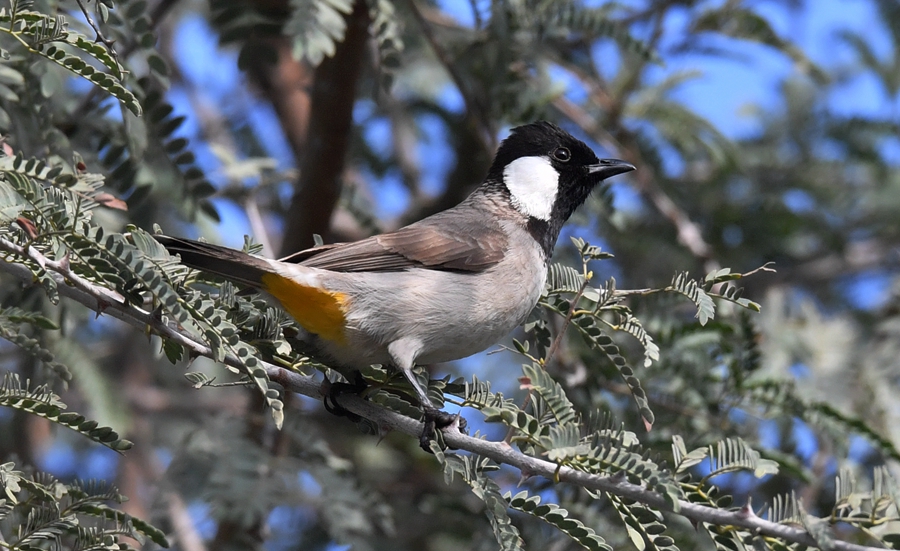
column 671, row 373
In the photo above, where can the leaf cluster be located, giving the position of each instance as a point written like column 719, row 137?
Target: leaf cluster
column 49, row 514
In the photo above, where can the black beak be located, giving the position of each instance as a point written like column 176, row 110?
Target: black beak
column 609, row 167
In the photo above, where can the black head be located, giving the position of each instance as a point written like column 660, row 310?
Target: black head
column 548, row 173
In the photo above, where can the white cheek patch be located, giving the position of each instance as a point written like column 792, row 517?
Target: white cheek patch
column 533, row 183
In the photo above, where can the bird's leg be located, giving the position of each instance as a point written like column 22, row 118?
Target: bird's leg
column 432, row 416
column 336, row 389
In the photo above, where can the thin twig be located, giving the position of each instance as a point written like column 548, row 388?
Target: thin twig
column 587, row 123
column 257, row 225
column 566, row 321
column 616, row 137
column 156, row 17
column 473, row 5
column 474, row 108
column 100, row 38
column 509, row 433
column 183, row 525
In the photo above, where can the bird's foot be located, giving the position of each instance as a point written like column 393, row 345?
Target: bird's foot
column 334, row 390
column 436, row 419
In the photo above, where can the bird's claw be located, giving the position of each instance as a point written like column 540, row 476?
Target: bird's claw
column 436, row 419
column 336, row 389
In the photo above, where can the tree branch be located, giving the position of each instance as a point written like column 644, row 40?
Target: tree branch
column 96, row 297
column 286, row 83
column 328, row 136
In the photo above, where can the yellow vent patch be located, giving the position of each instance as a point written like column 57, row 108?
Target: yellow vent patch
column 316, row 310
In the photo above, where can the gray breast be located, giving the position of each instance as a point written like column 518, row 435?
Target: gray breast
column 451, row 314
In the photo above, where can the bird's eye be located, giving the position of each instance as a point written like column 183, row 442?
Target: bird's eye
column 562, row 154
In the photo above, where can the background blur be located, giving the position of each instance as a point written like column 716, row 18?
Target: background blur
column 763, row 131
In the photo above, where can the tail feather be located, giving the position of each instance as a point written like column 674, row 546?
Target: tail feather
column 233, row 265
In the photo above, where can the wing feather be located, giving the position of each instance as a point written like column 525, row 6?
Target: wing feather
column 450, row 240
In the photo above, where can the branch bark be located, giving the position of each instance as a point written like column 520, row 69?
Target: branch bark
column 97, row 297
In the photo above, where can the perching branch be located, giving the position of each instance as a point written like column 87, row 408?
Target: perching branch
column 105, row 301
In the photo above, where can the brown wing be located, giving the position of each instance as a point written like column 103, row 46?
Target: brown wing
column 446, row 241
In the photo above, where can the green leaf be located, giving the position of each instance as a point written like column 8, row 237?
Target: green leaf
column 595, row 22
column 11, row 321
column 11, row 203
column 472, row 470
column 315, row 27
column 733, row 454
column 784, row 509
column 564, row 279
column 684, row 460
column 605, row 344
column 386, row 29
column 10, row 76
column 155, row 534
column 558, row 517
column 706, row 308
column 644, row 525
column 45, row 32
column 43, row 403
column 543, row 387
column 743, row 23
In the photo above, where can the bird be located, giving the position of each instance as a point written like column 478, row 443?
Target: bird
column 437, row 290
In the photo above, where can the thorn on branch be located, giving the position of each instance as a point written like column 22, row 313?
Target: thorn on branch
column 157, row 314
column 746, row 512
